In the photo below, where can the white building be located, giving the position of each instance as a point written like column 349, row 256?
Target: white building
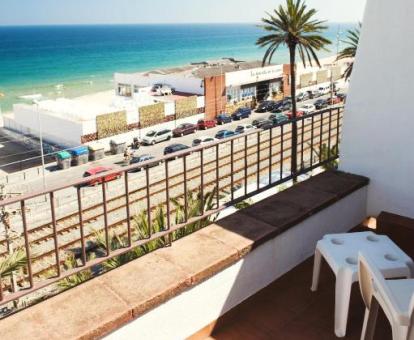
column 378, row 120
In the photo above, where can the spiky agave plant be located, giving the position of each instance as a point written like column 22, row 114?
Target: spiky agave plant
column 195, row 205
column 75, row 279
column 324, row 153
column 13, row 262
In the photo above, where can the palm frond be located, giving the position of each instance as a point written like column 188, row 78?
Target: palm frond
column 13, row 262
column 293, row 25
column 350, row 51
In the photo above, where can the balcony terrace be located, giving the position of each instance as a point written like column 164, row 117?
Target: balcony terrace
column 242, row 272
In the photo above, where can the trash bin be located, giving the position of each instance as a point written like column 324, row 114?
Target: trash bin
column 80, row 155
column 63, row 159
column 96, row 151
column 117, row 147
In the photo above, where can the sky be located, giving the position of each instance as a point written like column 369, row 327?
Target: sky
column 55, row 12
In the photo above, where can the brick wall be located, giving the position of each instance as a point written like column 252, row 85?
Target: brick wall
column 215, row 96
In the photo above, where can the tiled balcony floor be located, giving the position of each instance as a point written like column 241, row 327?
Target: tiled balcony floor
column 288, row 310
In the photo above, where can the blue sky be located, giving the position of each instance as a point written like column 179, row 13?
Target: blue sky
column 28, row 12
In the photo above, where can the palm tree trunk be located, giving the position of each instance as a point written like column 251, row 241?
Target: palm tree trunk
column 292, row 52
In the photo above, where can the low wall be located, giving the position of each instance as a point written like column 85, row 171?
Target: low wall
column 189, row 312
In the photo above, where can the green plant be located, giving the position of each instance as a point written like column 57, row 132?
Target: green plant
column 194, row 208
column 243, row 204
column 75, row 279
column 294, row 26
column 13, row 262
column 324, row 153
column 350, row 51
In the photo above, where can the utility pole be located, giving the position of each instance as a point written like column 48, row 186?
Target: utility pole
column 41, row 142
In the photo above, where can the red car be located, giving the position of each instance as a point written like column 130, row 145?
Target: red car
column 100, row 170
column 334, row 100
column 204, row 124
column 298, row 114
column 184, row 129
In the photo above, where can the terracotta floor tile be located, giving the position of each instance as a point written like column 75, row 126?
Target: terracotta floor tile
column 287, row 309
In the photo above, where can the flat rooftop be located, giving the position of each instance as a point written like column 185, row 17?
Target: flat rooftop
column 205, row 68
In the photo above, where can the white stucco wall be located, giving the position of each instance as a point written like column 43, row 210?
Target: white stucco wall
column 378, row 120
column 54, row 129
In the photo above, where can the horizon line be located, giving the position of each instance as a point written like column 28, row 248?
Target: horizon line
column 152, row 24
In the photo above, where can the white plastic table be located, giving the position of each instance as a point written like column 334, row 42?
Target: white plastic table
column 341, row 253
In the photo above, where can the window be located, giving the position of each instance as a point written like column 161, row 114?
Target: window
column 248, row 91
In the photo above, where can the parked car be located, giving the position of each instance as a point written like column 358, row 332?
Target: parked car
column 341, row 96
column 153, row 137
column 101, row 170
column 265, row 106
column 223, row 118
column 204, row 124
column 203, row 140
column 225, row 134
column 320, row 104
column 175, row 148
column 286, row 106
column 140, row 159
column 241, row 112
column 243, row 128
column 267, row 124
column 313, row 94
column 298, row 114
column 302, row 96
column 184, row 129
column 162, row 89
column 334, row 100
column 307, row 108
column 278, row 118
column 257, row 121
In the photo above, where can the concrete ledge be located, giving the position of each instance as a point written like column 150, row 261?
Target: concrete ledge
column 229, row 260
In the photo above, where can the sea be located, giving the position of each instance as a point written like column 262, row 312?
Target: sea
column 70, row 61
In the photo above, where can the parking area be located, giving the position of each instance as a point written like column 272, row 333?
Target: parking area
column 60, row 177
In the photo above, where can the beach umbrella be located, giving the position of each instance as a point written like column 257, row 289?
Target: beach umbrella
column 1, row 95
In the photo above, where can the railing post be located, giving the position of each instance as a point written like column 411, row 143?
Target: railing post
column 148, row 201
column 55, row 237
column 82, row 235
column 128, row 212
column 26, row 242
column 105, row 211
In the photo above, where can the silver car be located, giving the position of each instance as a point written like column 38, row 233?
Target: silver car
column 153, row 137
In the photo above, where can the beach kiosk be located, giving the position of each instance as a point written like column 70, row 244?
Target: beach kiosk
column 96, row 151
column 117, row 146
column 63, row 159
column 80, row 155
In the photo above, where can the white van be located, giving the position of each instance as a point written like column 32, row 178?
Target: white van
column 324, row 89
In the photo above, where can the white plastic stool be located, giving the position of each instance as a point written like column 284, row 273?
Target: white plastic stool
column 341, row 253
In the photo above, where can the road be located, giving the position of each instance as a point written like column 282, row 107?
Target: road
column 62, row 177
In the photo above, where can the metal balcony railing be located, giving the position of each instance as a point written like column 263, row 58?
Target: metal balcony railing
column 155, row 203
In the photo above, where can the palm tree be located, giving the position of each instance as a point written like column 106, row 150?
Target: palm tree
column 350, row 51
column 294, row 26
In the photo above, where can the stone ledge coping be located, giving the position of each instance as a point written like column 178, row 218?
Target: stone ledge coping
column 106, row 303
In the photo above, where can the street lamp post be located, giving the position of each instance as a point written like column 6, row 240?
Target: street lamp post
column 41, row 142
